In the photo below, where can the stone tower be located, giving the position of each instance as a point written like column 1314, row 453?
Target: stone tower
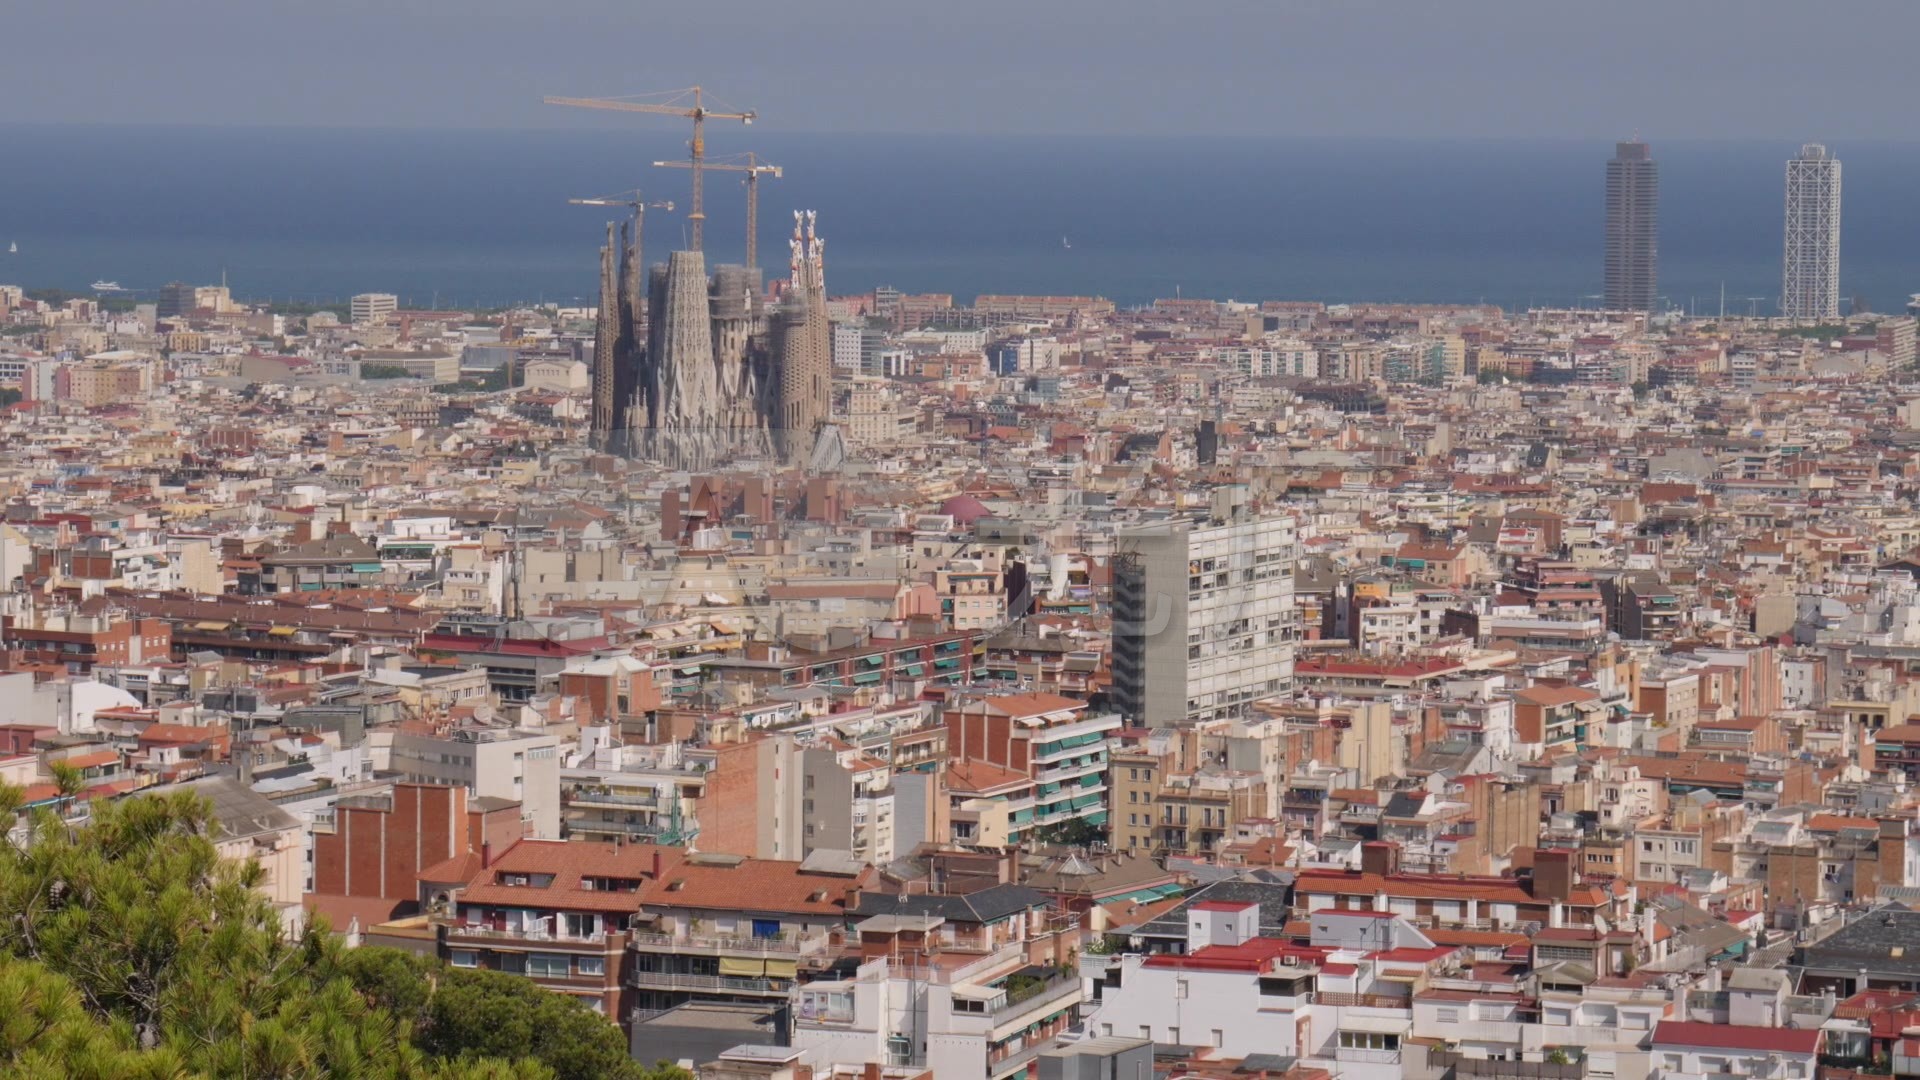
column 803, row 348
column 619, row 325
column 735, row 350
column 688, row 420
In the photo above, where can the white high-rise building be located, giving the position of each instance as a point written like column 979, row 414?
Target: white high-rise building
column 1810, row 282
column 1204, row 615
column 373, row 307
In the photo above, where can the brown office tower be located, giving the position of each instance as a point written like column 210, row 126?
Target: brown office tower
column 1633, row 209
column 803, row 348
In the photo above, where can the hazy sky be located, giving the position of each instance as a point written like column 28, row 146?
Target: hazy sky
column 1780, row 69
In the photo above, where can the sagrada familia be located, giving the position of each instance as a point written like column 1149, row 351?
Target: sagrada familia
column 696, row 370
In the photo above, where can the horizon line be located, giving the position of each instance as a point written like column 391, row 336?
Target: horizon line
column 1175, row 136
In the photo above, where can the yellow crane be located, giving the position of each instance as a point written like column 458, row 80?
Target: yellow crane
column 688, row 103
column 754, row 168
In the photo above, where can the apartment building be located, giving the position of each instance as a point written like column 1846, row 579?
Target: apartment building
column 78, row 641
column 973, row 985
column 518, row 766
column 1204, row 619
column 1051, row 739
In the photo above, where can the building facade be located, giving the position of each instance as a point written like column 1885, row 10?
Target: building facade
column 1810, row 283
column 1204, row 619
column 1633, row 206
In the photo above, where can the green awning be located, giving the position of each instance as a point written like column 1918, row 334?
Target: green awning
column 947, row 663
column 1137, row 896
column 873, row 661
column 867, row 677
column 912, row 669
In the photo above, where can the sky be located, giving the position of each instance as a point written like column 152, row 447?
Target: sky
column 1828, row 70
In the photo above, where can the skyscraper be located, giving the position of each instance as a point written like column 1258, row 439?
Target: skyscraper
column 1633, row 235
column 1810, row 281
column 176, row 299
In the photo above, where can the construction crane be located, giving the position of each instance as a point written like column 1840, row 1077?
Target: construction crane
column 754, row 168
column 629, row 199
column 688, row 103
column 633, row 201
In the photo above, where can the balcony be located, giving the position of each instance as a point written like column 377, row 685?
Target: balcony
column 1370, row 1001
column 487, row 935
column 1464, row 1066
column 720, row 945
column 709, row 984
column 1366, row 1057
column 1040, row 997
column 584, row 797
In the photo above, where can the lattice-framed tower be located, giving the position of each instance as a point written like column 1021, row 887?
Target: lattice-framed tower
column 1810, row 277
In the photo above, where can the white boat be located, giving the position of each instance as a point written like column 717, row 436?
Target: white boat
column 106, row 286
column 13, row 248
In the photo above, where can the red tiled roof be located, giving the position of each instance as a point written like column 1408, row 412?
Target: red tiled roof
column 1432, row 886
column 1728, row 1037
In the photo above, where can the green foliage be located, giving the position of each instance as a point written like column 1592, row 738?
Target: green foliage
column 485, row 384
column 1820, row 332
column 342, row 308
column 1075, row 833
column 384, row 371
column 9, row 396
column 130, row 948
column 462, row 1014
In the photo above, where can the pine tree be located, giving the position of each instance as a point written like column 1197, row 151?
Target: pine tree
column 130, row 949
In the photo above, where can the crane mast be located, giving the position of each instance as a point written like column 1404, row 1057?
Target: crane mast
column 754, row 168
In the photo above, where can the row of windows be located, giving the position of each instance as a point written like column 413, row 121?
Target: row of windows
column 535, row 965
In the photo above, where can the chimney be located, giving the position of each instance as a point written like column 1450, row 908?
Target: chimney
column 657, row 864
column 1553, row 874
column 1380, row 857
column 486, row 854
column 872, row 1071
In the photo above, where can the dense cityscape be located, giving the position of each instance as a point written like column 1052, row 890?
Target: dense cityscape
column 764, row 682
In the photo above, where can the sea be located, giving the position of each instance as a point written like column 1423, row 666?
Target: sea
column 471, row 218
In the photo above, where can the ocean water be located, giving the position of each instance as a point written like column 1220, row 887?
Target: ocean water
column 480, row 218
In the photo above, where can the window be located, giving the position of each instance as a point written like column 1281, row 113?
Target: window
column 591, row 965
column 1447, row 1016
column 548, row 965
column 463, row 958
